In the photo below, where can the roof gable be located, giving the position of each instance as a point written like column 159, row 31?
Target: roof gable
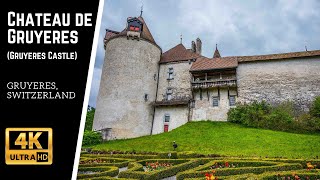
column 178, row 53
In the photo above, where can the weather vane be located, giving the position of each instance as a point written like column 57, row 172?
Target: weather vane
column 141, row 9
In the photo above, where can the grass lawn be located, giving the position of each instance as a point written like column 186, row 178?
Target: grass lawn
column 223, row 138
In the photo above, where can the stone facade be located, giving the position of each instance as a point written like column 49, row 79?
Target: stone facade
column 180, row 84
column 178, row 116
column 296, row 80
column 204, row 109
column 127, row 89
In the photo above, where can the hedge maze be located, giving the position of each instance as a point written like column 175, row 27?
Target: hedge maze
column 190, row 166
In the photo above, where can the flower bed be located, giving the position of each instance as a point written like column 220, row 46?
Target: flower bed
column 156, row 166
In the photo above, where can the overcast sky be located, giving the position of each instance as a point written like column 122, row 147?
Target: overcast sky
column 247, row 27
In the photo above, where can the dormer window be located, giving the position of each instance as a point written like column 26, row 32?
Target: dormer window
column 134, row 24
column 134, row 28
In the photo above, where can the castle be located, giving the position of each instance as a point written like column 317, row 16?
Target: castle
column 144, row 91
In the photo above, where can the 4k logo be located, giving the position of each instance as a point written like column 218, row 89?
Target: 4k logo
column 29, row 146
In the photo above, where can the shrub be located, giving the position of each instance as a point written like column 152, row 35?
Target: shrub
column 249, row 114
column 91, row 138
column 315, row 108
column 278, row 117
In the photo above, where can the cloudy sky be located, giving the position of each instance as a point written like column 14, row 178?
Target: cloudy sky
column 247, row 27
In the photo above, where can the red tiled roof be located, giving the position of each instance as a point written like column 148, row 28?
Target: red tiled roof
column 110, row 33
column 145, row 34
column 279, row 56
column 178, row 53
column 204, row 63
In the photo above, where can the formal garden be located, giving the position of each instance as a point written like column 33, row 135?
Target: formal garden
column 188, row 165
column 260, row 141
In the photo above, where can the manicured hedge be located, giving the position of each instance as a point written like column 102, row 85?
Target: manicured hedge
column 237, row 163
column 107, row 178
column 301, row 161
column 134, row 166
column 288, row 174
column 164, row 155
column 160, row 174
column 124, row 156
column 116, row 162
column 100, row 171
column 196, row 172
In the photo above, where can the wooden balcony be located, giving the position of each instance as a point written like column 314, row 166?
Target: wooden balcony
column 214, row 83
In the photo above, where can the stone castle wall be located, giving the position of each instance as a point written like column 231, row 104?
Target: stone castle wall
column 204, row 110
column 178, row 117
column 180, row 83
column 297, row 80
column 129, row 73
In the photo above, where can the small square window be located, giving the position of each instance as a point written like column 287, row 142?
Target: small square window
column 167, row 118
column 215, row 101
column 145, row 97
column 232, row 100
column 169, row 94
column 170, row 74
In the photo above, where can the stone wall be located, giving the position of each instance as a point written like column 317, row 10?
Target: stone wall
column 297, row 80
column 129, row 72
column 180, row 83
column 178, row 117
column 204, row 110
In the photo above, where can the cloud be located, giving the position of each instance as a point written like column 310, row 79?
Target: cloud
column 250, row 27
column 246, row 27
column 95, row 86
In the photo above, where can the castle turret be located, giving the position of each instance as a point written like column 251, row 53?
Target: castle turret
column 128, row 82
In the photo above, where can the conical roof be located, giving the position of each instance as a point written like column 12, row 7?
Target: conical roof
column 145, row 34
column 216, row 53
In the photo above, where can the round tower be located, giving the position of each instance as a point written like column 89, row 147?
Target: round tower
column 128, row 82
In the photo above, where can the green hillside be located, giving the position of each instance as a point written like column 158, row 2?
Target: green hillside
column 223, row 138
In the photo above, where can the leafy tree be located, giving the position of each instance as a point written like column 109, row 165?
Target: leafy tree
column 89, row 119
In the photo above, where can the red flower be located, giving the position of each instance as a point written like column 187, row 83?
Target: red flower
column 227, row 164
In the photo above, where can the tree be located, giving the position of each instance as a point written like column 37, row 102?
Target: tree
column 89, row 119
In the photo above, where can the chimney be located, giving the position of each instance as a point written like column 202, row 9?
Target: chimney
column 193, row 46
column 198, row 46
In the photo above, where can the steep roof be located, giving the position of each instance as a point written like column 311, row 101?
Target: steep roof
column 279, row 56
column 145, row 34
column 204, row 63
column 178, row 53
column 110, row 33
